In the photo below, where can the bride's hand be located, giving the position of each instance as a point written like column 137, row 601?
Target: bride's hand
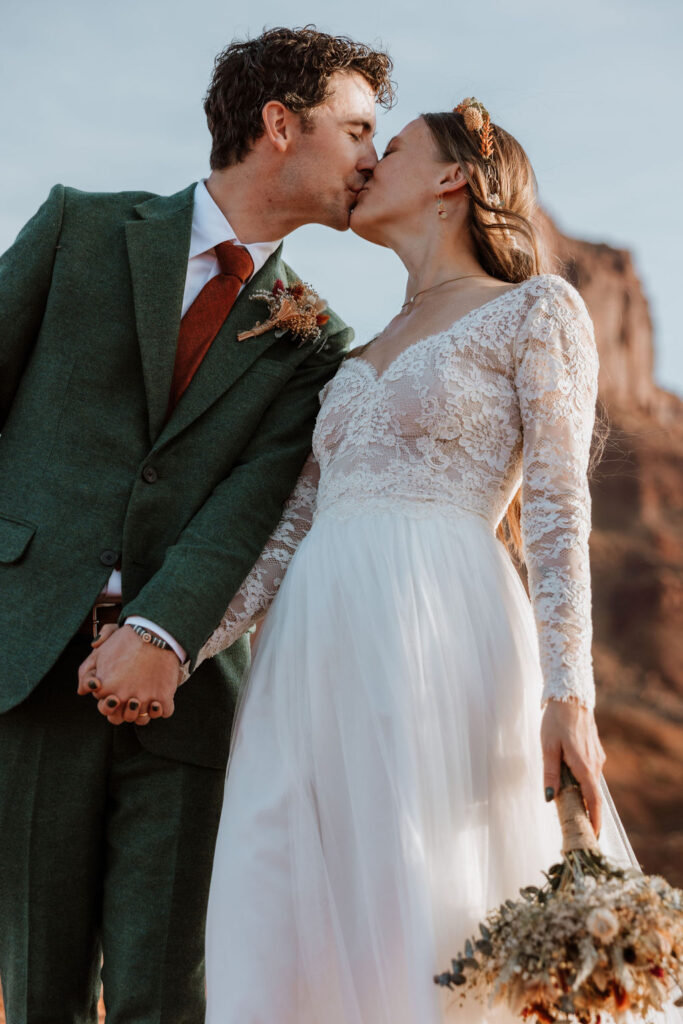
column 569, row 733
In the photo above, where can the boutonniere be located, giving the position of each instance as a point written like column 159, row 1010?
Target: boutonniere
column 298, row 310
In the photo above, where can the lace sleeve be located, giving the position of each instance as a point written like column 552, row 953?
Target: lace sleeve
column 556, row 382
column 254, row 597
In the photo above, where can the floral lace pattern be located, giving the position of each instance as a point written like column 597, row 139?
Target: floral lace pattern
column 255, row 595
column 452, row 426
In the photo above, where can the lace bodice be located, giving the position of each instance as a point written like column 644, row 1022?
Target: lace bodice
column 505, row 394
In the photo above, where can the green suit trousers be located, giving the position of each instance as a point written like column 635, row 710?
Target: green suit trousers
column 89, row 854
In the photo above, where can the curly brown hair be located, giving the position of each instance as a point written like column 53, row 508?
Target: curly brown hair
column 291, row 65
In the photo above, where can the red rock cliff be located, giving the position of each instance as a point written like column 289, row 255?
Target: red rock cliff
column 637, row 557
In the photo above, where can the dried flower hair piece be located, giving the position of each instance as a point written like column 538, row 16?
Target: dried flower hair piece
column 477, row 119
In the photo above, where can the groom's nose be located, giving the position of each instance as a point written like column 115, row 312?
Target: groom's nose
column 368, row 160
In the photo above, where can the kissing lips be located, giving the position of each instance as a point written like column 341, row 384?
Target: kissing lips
column 356, row 196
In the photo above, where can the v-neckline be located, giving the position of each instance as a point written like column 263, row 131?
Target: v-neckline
column 431, row 337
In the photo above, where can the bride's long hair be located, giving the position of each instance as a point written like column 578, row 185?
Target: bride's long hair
column 503, row 198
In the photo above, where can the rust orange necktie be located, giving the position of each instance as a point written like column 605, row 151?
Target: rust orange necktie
column 207, row 314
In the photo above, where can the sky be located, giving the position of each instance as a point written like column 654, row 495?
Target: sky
column 109, row 97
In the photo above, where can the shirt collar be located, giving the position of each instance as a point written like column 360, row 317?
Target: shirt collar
column 210, row 226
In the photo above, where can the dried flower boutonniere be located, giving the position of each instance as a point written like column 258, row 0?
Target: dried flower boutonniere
column 297, row 309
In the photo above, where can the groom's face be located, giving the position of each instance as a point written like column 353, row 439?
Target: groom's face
column 330, row 163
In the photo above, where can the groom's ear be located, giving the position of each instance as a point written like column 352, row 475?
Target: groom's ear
column 277, row 121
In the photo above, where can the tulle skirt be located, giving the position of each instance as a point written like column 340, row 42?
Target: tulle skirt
column 385, row 787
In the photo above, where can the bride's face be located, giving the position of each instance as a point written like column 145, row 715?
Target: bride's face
column 403, row 188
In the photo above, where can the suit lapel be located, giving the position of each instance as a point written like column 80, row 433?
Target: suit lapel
column 158, row 247
column 227, row 359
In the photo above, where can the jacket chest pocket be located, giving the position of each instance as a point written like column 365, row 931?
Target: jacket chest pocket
column 15, row 537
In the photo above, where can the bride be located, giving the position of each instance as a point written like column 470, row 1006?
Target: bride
column 386, row 782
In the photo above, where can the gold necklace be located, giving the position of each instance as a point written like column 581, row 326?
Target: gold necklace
column 463, row 277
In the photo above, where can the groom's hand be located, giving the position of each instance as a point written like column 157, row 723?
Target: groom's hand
column 135, row 681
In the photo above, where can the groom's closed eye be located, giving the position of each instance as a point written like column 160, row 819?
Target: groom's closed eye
column 365, row 128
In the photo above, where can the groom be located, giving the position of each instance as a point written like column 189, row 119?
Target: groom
column 145, row 456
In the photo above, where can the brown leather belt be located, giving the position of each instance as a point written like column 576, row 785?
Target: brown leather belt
column 100, row 615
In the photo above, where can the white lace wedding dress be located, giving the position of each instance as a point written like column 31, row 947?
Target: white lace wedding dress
column 385, row 786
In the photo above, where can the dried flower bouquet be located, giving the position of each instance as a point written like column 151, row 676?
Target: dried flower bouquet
column 595, row 941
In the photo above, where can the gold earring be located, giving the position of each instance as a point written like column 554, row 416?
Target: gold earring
column 440, row 208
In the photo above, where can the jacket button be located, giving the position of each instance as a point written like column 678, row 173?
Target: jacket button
column 150, row 475
column 109, row 557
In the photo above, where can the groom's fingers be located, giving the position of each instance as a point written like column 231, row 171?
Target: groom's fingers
column 112, row 709
column 134, row 710
column 159, row 710
column 104, row 634
column 86, row 671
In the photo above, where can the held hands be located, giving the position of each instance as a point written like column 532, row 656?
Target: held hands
column 569, row 733
column 132, row 681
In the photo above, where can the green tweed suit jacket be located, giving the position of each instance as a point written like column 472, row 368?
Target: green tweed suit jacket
column 91, row 472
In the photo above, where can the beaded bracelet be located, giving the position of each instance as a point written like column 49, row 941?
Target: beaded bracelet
column 151, row 638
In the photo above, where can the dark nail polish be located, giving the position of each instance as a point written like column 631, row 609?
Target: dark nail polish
column 549, row 794
column 93, row 684
column 133, row 705
column 112, row 702
column 155, row 707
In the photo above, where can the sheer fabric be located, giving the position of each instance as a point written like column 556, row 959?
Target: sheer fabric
column 263, row 582
column 453, row 424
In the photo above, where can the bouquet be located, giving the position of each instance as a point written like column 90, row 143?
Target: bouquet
column 595, row 940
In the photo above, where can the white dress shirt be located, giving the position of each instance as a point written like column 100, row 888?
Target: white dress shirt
column 209, row 227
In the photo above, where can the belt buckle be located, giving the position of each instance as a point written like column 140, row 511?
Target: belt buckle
column 95, row 619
